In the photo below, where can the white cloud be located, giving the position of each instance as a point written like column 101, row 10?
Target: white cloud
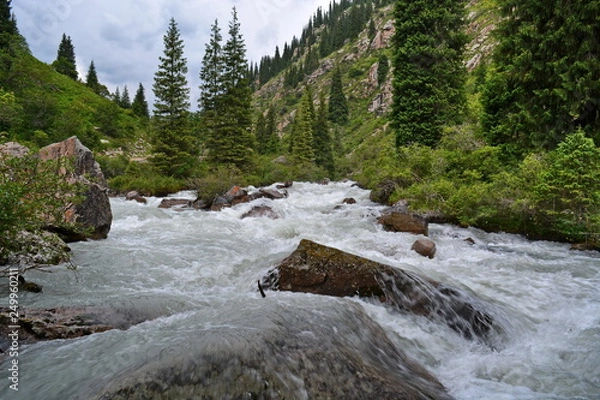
column 125, row 38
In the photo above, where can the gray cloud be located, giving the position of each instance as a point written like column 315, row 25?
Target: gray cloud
column 125, row 38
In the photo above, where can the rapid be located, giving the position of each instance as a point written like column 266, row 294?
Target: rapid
column 196, row 271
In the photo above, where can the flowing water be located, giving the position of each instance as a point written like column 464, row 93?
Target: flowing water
column 197, row 271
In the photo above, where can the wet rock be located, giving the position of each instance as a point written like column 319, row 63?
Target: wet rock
column 398, row 221
column 585, row 247
column 64, row 323
column 349, row 200
column 94, row 211
column 261, row 212
column 469, row 241
column 264, row 193
column 29, row 286
column 424, row 247
column 280, row 352
column 135, row 196
column 285, row 185
column 314, row 268
column 324, row 181
column 169, row 202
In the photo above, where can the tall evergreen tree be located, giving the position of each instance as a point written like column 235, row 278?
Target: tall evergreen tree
column 139, row 106
column 125, row 101
column 429, row 75
column 8, row 26
column 231, row 140
column 322, row 143
column 65, row 58
column 545, row 81
column 91, row 79
column 302, row 131
column 173, row 145
column 338, row 104
column 211, row 74
column 383, row 68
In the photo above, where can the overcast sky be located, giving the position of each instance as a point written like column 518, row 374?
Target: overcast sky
column 125, row 37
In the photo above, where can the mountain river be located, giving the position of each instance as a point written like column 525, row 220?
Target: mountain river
column 196, row 272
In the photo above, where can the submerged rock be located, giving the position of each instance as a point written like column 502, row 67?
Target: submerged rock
column 280, row 351
column 261, row 212
column 314, row 268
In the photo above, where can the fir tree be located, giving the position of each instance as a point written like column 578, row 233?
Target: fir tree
column 338, row 104
column 173, row 145
column 116, row 97
column 302, row 131
column 65, row 58
column 91, row 79
column 211, row 74
column 429, row 75
column 125, row 101
column 231, row 140
column 272, row 144
column 322, row 138
column 545, row 81
column 139, row 106
column 8, row 26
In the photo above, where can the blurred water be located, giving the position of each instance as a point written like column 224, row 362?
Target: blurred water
column 199, row 268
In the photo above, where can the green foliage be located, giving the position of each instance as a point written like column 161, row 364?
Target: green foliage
column 65, row 59
column 429, row 74
column 302, row 148
column 32, row 194
column 174, row 149
column 139, row 106
column 322, row 143
column 216, row 181
column 545, row 83
column 146, row 180
column 383, row 67
column 338, row 104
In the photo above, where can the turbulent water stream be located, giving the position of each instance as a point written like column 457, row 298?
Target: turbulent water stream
column 197, row 272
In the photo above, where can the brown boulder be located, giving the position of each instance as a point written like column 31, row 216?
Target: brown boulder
column 260, row 212
column 398, row 219
column 424, row 247
column 94, row 212
column 314, row 268
column 135, row 196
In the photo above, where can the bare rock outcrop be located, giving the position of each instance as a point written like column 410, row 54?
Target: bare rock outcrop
column 94, row 212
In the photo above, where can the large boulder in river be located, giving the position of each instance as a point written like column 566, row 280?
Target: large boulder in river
column 94, row 212
column 424, row 247
column 398, row 219
column 318, row 269
column 277, row 351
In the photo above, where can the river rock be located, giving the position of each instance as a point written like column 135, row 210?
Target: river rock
column 318, row 269
column 94, row 212
column 264, row 193
column 38, row 248
column 261, row 212
column 135, row 196
column 276, row 351
column 424, row 247
column 398, row 219
column 285, row 185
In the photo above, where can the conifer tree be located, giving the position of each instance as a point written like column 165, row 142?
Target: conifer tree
column 91, row 79
column 139, row 106
column 173, row 145
column 545, row 81
column 8, row 26
column 383, row 68
column 429, row 75
column 322, row 138
column 338, row 104
column 302, row 131
column 211, row 74
column 230, row 140
column 65, row 58
column 125, row 101
column 116, row 97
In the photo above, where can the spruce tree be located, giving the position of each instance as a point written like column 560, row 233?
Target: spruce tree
column 322, row 143
column 302, row 131
column 429, row 75
column 338, row 104
column 139, row 106
column 65, row 58
column 545, row 80
column 173, row 145
column 125, row 101
column 91, row 79
column 8, row 26
column 230, row 140
column 383, row 68
column 211, row 74
column 272, row 143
